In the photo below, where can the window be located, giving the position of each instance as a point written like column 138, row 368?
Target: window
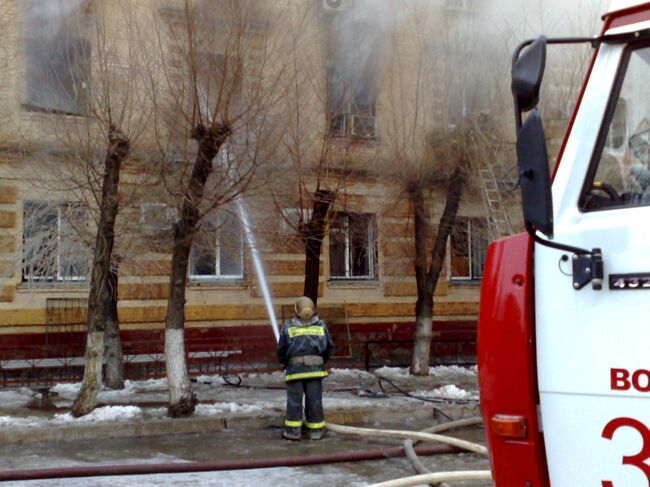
column 292, row 219
column 217, row 250
column 57, row 59
column 616, row 135
column 353, row 248
column 468, row 244
column 157, row 217
column 351, row 83
column 620, row 171
column 53, row 250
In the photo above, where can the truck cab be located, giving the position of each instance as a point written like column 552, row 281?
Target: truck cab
column 564, row 321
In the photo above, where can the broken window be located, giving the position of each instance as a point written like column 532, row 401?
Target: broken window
column 469, row 242
column 353, row 248
column 218, row 249
column 57, row 57
column 53, row 248
column 351, row 82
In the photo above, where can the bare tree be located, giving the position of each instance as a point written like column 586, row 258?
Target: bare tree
column 324, row 153
column 87, row 126
column 215, row 102
column 432, row 137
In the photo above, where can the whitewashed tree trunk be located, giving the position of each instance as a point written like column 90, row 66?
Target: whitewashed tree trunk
column 422, row 346
column 101, row 296
column 427, row 274
column 86, row 401
column 210, row 140
column 181, row 398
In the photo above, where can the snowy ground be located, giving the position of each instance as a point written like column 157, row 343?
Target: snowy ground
column 145, row 400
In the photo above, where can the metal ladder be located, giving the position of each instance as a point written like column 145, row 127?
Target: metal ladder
column 499, row 224
column 482, row 164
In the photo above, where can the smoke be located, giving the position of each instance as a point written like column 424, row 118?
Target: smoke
column 357, row 36
column 360, row 32
column 56, row 54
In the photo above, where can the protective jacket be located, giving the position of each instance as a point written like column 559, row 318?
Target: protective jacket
column 304, row 348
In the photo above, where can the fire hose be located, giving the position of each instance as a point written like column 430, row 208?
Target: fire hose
column 187, row 467
column 409, row 435
column 412, row 456
column 426, row 435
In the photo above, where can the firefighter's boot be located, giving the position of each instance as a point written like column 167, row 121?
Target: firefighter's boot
column 315, row 434
column 293, row 434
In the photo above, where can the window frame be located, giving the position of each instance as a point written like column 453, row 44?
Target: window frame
column 603, row 133
column 59, row 277
column 217, row 276
column 371, row 251
column 75, row 96
column 470, row 253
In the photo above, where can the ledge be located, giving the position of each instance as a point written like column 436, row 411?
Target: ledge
column 354, row 284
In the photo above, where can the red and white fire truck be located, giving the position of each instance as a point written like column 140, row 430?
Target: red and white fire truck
column 564, row 325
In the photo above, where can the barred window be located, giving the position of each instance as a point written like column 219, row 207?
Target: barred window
column 53, row 248
column 468, row 244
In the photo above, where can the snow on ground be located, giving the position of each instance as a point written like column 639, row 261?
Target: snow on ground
column 349, row 373
column 229, row 407
column 16, row 398
column 70, row 390
column 449, row 391
column 260, row 392
column 446, row 371
column 128, row 413
column 106, row 413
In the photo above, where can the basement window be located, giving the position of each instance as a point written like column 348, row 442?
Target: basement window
column 353, row 247
column 53, row 247
column 218, row 249
column 468, row 244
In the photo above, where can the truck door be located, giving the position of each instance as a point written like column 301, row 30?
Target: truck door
column 593, row 346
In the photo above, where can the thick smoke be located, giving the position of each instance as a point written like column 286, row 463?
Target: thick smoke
column 56, row 55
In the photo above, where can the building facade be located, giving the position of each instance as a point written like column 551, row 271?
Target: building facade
column 355, row 94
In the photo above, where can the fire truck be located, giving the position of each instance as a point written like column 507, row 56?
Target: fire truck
column 564, row 321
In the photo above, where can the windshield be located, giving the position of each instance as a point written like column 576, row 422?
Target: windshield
column 622, row 172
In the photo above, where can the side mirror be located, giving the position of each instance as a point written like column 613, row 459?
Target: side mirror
column 534, row 177
column 527, row 74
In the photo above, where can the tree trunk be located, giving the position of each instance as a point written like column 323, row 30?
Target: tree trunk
column 427, row 279
column 182, row 401
column 424, row 303
column 112, row 343
column 101, row 294
column 313, row 234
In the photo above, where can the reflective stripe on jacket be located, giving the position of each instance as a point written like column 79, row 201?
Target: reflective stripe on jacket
column 300, row 338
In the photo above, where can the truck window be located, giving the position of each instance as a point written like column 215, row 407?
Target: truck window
column 620, row 176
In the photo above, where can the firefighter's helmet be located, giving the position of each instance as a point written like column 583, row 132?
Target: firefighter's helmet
column 304, row 308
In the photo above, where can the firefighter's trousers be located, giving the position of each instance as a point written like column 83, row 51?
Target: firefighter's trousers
column 312, row 389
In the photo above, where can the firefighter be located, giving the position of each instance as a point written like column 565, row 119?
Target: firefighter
column 304, row 347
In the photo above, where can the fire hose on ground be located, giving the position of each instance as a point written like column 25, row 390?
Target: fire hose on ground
column 429, row 434
column 187, row 467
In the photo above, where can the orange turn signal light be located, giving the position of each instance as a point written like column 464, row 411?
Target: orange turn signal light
column 509, row 426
